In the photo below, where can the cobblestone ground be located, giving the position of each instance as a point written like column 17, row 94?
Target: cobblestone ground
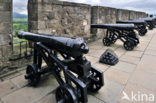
column 136, row 71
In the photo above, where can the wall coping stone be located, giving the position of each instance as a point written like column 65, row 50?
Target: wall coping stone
column 64, row 3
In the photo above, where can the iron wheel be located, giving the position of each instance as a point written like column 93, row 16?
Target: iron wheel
column 128, row 45
column 95, row 83
column 65, row 94
column 106, row 41
column 32, row 75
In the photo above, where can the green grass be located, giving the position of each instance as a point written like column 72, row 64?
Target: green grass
column 20, row 20
column 18, row 40
column 20, row 24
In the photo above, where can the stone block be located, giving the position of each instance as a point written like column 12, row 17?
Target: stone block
column 6, row 87
column 33, row 25
column 42, row 25
column 32, row 11
column 5, row 1
column 6, row 50
column 102, row 67
column 135, row 89
column 123, row 14
column 120, row 51
column 92, row 59
column 5, row 28
column 125, row 67
column 147, row 63
column 30, row 94
column 144, row 79
column 5, row 6
column 117, row 76
column 150, row 52
column 110, row 92
column 135, row 53
column 19, row 81
column 130, row 59
column 133, row 15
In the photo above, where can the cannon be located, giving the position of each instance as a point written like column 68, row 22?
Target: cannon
column 140, row 24
column 64, row 58
column 124, row 32
column 154, row 19
column 150, row 22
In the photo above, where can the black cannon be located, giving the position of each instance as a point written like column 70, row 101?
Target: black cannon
column 124, row 32
column 150, row 22
column 154, row 19
column 140, row 24
column 63, row 56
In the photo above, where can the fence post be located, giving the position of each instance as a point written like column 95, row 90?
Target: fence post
column 26, row 48
column 20, row 49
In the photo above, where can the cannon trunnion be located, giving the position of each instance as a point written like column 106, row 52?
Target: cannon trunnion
column 65, row 60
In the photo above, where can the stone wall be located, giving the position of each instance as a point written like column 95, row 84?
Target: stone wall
column 5, row 31
column 122, row 14
column 60, row 18
column 137, row 14
column 133, row 15
column 107, row 15
column 102, row 15
column 141, row 15
column 73, row 19
column 32, row 16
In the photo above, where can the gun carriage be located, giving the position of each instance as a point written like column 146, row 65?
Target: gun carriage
column 63, row 56
column 154, row 19
column 124, row 32
column 140, row 24
column 150, row 22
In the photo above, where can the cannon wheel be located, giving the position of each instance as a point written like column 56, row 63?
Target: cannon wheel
column 114, row 39
column 136, row 41
column 151, row 27
column 106, row 41
column 95, row 83
column 142, row 32
column 34, row 76
column 128, row 45
column 65, row 94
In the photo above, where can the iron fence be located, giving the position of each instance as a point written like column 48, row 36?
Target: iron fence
column 21, row 50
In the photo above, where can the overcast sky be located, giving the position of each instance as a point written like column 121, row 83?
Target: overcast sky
column 148, row 6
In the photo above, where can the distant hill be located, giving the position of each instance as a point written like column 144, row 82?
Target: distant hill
column 17, row 15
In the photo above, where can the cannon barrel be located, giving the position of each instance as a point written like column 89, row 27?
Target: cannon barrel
column 74, row 47
column 147, row 19
column 116, row 26
column 139, row 21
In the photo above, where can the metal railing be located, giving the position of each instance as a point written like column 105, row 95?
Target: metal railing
column 21, row 50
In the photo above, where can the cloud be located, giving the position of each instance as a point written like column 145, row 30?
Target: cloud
column 148, row 6
column 20, row 6
column 92, row 2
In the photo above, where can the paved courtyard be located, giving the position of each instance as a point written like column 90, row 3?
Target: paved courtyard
column 135, row 72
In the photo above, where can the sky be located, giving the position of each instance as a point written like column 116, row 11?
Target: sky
column 20, row 6
column 148, row 6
